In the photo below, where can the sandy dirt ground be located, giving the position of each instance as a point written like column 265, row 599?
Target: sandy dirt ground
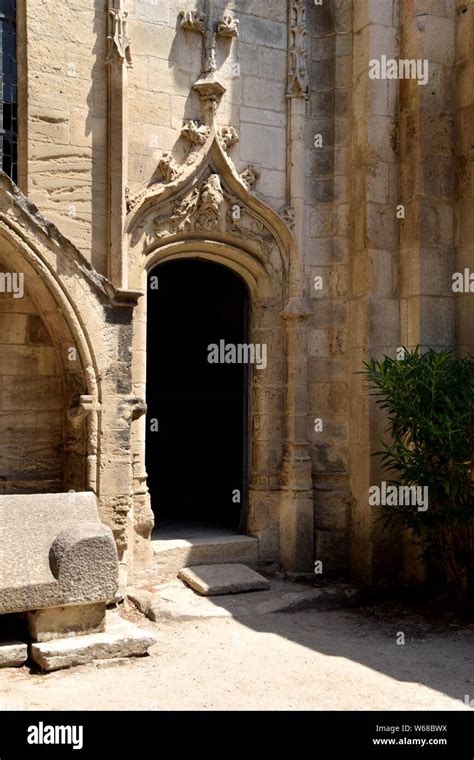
column 310, row 660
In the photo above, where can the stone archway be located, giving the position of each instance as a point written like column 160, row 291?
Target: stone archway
column 205, row 209
column 53, row 378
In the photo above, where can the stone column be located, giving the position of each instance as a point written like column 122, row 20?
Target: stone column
column 296, row 517
column 374, row 317
column 427, row 177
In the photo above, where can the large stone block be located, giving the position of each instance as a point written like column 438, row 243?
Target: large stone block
column 54, row 552
column 62, row 622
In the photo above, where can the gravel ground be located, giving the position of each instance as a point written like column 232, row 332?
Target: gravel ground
column 309, row 660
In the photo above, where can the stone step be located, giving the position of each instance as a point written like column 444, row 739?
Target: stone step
column 172, row 555
column 219, row 580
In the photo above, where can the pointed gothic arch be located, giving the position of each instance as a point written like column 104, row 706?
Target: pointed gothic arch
column 205, row 209
column 32, row 247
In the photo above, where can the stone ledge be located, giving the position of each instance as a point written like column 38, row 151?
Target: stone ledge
column 13, row 654
column 120, row 639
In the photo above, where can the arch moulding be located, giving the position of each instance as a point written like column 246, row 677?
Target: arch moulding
column 204, row 209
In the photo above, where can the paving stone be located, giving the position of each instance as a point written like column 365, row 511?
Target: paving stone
column 13, row 654
column 175, row 601
column 214, row 580
column 120, row 639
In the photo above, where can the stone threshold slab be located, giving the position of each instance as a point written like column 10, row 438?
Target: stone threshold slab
column 13, row 654
column 217, row 580
column 120, row 639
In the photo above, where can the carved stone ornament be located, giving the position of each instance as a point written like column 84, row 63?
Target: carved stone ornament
column 227, row 137
column 118, row 35
column 228, row 26
column 298, row 81
column 208, row 86
column 250, row 177
column 199, row 210
column 288, row 215
column 169, row 168
column 192, row 20
column 195, row 132
column 210, row 202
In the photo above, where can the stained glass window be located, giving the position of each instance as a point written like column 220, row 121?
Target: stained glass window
column 8, row 115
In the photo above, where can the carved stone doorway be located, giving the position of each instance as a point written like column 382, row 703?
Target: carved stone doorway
column 197, row 432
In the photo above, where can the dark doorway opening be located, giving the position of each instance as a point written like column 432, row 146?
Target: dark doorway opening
column 197, row 458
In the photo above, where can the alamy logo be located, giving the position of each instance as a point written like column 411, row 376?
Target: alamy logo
column 12, row 282
column 242, row 353
column 41, row 734
column 390, row 68
column 399, row 496
column 463, row 282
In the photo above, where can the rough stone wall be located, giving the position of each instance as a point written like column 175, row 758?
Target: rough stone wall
column 327, row 255
column 167, row 60
column 31, row 401
column 374, row 316
column 63, row 159
column 464, row 165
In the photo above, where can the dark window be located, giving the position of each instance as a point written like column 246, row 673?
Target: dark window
column 8, row 116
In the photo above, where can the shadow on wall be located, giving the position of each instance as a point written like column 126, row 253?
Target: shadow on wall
column 95, row 127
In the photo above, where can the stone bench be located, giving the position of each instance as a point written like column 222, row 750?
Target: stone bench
column 55, row 555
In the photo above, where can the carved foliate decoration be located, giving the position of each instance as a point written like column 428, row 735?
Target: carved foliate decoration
column 193, row 20
column 247, row 226
column 250, row 177
column 195, row 132
column 169, row 168
column 198, row 210
column 208, row 207
column 227, row 137
column 298, row 81
column 288, row 214
column 118, row 39
column 228, row 26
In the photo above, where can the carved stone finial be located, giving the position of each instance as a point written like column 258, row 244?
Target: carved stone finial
column 194, row 21
column 227, row 137
column 298, row 81
column 169, row 168
column 195, row 132
column 119, row 41
column 208, row 86
column 250, row 177
column 228, row 26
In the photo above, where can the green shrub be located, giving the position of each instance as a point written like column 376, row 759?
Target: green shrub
column 429, row 400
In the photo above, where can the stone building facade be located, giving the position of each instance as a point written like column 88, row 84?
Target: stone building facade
column 249, row 134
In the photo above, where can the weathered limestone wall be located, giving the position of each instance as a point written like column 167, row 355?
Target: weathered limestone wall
column 65, row 367
column 63, row 159
column 374, row 322
column 327, row 256
column 385, row 281
column 31, row 401
column 464, row 163
column 427, row 177
column 167, row 60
